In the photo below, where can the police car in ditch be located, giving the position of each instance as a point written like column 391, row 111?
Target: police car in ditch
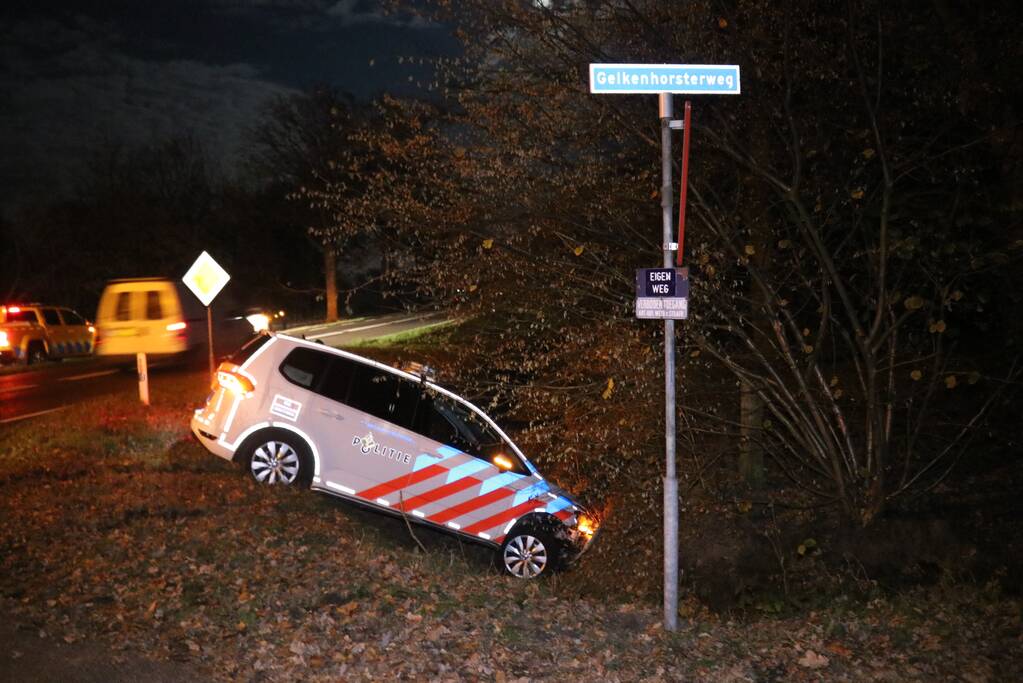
column 295, row 412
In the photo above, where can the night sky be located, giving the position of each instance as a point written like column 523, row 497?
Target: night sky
column 75, row 76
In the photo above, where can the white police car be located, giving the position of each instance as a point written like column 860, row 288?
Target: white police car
column 294, row 412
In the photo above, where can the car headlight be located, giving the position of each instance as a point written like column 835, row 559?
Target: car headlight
column 586, row 525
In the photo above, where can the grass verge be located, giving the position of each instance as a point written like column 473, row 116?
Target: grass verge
column 122, row 531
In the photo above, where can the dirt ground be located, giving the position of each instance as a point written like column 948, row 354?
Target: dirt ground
column 33, row 656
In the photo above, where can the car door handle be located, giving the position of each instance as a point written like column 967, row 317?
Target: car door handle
column 331, row 413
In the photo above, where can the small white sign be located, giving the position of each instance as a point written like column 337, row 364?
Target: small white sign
column 285, row 407
column 206, row 278
column 667, row 308
column 688, row 79
column 662, row 293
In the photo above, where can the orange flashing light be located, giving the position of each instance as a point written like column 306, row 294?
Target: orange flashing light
column 503, row 461
column 229, row 379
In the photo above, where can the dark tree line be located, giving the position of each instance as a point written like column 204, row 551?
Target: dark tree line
column 854, row 227
column 149, row 211
column 854, row 224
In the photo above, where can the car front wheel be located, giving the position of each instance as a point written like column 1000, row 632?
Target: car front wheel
column 528, row 554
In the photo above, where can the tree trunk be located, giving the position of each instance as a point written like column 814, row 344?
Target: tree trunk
column 751, row 450
column 330, row 271
column 755, row 217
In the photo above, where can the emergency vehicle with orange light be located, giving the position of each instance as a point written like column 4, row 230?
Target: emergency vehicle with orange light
column 293, row 412
column 32, row 333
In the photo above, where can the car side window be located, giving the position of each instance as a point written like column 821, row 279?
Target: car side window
column 70, row 317
column 338, row 381
column 384, row 395
column 305, row 367
column 453, row 424
column 122, row 310
column 435, row 425
column 408, row 396
column 50, row 316
column 153, row 309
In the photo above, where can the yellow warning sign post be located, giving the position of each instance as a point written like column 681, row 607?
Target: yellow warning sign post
column 206, row 278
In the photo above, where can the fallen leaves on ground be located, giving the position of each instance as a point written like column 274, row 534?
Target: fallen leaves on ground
column 154, row 546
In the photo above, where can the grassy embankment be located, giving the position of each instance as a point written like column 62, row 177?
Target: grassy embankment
column 120, row 530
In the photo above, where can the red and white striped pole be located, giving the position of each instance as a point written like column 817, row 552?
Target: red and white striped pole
column 685, row 185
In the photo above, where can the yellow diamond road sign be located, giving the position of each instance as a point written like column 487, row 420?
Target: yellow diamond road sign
column 206, row 278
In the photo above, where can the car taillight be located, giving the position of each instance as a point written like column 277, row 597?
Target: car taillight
column 174, row 327
column 229, row 378
column 4, row 341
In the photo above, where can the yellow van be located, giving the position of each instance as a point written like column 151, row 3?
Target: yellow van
column 156, row 316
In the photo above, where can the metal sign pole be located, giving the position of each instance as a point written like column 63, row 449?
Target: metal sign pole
column 670, row 482
column 652, row 299
column 209, row 333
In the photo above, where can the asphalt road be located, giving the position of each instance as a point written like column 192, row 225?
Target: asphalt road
column 52, row 386
column 364, row 329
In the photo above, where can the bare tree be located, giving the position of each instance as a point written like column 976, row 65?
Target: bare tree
column 838, row 250
column 300, row 144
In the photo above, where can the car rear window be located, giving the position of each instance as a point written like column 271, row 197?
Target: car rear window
column 21, row 316
column 305, row 367
column 248, row 348
column 123, row 309
column 153, row 309
column 51, row 316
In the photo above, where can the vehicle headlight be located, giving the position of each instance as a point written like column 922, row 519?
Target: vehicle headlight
column 259, row 321
column 586, row 525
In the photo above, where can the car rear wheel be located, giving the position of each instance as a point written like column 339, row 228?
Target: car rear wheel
column 36, row 354
column 528, row 554
column 278, row 458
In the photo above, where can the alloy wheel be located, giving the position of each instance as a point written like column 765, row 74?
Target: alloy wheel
column 525, row 556
column 275, row 462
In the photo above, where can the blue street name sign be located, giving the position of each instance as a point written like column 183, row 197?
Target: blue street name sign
column 662, row 293
column 690, row 79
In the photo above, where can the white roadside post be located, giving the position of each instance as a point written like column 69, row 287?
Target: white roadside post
column 143, row 369
column 664, row 293
column 206, row 278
